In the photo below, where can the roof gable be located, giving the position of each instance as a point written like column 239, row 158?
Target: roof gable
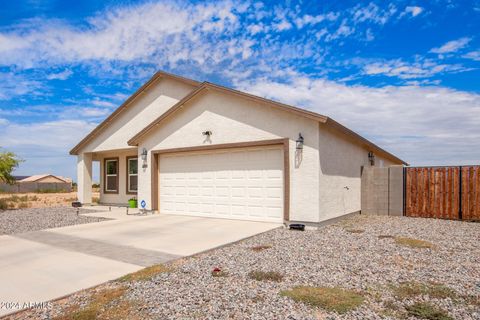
column 206, row 86
column 39, row 177
column 107, row 122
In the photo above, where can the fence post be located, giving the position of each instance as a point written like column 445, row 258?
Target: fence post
column 460, row 196
column 404, row 191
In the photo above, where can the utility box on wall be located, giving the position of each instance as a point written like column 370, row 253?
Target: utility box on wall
column 382, row 190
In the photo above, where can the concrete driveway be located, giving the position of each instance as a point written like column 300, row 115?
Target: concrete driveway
column 39, row 266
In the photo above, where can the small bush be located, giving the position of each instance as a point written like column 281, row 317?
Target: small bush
column 266, row 276
column 330, row 299
column 428, row 311
column 414, row 243
column 3, row 204
column 412, row 289
column 34, row 198
column 48, row 191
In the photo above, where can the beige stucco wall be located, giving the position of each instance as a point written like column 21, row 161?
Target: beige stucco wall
column 233, row 119
column 122, row 196
column 149, row 105
column 341, row 160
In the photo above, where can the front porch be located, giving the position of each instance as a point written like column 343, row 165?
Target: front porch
column 118, row 176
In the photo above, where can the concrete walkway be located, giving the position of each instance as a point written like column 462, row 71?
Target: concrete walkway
column 39, row 266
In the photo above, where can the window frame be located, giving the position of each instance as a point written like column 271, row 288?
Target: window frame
column 105, row 175
column 128, row 175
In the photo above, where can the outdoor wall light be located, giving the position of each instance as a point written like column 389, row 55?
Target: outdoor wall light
column 207, row 133
column 144, row 154
column 300, row 142
column 371, row 158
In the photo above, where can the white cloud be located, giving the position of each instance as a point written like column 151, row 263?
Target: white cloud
column 3, row 122
column 103, row 103
column 125, row 34
column 373, row 13
column 413, row 11
column 474, row 55
column 309, row 20
column 12, row 85
column 63, row 75
column 422, row 68
column 423, row 125
column 203, row 36
column 282, row 25
column 343, row 31
column 256, row 28
column 452, row 46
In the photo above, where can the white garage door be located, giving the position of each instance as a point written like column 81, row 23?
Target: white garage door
column 235, row 184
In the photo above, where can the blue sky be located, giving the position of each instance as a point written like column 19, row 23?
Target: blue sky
column 404, row 74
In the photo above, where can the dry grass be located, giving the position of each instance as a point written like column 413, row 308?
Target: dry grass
column 266, row 276
column 261, row 248
column 145, row 274
column 414, row 243
column 37, row 200
column 104, row 304
column 385, row 236
column 413, row 289
column 330, row 299
column 355, row 230
column 427, row 311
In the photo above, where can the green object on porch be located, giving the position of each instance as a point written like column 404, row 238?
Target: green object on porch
column 132, row 203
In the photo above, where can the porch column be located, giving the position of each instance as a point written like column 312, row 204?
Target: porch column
column 84, row 178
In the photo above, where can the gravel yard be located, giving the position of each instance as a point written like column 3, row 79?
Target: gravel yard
column 33, row 219
column 377, row 258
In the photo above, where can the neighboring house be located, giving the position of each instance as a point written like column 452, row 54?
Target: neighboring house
column 40, row 182
column 201, row 149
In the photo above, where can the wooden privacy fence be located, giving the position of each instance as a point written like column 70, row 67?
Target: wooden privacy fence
column 442, row 192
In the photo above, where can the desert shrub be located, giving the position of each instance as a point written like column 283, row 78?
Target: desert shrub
column 331, row 299
column 23, row 205
column 3, row 204
column 428, row 311
column 266, row 276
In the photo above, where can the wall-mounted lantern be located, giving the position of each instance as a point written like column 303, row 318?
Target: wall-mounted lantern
column 300, row 142
column 144, row 154
column 371, row 158
column 207, row 133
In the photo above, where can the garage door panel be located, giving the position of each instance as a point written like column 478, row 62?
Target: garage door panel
column 240, row 184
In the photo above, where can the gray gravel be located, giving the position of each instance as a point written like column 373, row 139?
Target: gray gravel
column 331, row 256
column 25, row 220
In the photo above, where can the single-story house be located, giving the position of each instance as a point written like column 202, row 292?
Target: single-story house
column 189, row 148
column 39, row 182
column 46, row 178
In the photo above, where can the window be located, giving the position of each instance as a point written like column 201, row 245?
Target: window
column 132, row 174
column 111, row 175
